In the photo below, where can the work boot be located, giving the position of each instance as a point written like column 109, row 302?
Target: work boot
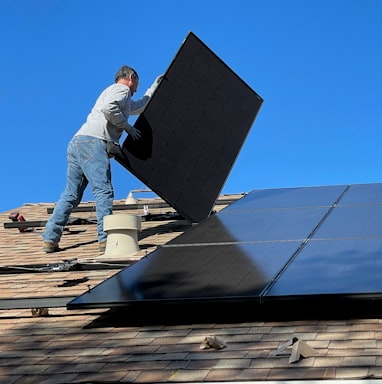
column 50, row 247
column 102, row 246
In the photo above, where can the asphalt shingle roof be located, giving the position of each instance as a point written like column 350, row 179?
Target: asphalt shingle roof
column 106, row 346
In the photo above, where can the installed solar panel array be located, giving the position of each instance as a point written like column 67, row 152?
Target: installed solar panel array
column 308, row 244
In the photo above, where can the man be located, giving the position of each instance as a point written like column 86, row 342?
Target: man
column 87, row 155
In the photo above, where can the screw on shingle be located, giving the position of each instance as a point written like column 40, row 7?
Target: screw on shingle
column 88, row 287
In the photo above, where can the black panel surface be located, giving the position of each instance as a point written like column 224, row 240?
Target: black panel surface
column 358, row 221
column 345, row 253
column 310, row 246
column 192, row 130
column 289, row 198
column 197, row 273
column 335, row 267
column 249, row 226
column 361, row 194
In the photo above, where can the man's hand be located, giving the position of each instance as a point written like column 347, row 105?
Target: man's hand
column 133, row 132
column 154, row 86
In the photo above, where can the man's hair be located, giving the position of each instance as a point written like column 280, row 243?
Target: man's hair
column 125, row 72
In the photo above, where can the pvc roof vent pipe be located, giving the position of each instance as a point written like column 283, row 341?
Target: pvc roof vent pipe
column 130, row 199
column 122, row 235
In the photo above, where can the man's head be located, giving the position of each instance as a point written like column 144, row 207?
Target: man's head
column 128, row 76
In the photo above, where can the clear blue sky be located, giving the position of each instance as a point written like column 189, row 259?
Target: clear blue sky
column 317, row 64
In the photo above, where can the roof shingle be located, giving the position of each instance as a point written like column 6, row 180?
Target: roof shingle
column 92, row 345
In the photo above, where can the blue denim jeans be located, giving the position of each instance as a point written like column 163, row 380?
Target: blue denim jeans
column 88, row 163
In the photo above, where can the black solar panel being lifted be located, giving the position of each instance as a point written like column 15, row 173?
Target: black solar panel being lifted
column 302, row 245
column 192, row 130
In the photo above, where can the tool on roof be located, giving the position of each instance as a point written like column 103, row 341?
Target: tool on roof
column 16, row 217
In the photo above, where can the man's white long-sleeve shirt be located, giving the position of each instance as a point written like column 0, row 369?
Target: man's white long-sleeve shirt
column 109, row 116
